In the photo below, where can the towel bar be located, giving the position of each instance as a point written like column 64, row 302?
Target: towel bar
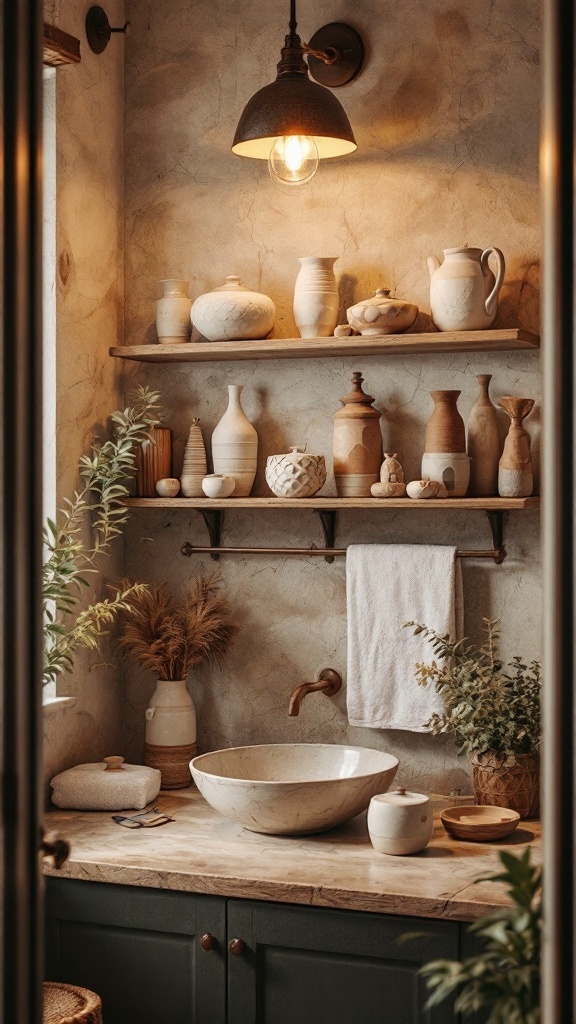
column 187, row 549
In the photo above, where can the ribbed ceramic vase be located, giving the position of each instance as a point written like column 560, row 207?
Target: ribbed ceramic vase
column 194, row 467
column 484, row 446
column 515, row 477
column 316, row 297
column 445, row 459
column 358, row 449
column 171, row 732
column 235, row 444
column 153, row 461
column 173, row 313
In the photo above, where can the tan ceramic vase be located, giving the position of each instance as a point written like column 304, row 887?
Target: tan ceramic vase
column 235, row 444
column 153, row 461
column 445, row 430
column 515, row 478
column 358, row 449
column 516, row 787
column 484, row 447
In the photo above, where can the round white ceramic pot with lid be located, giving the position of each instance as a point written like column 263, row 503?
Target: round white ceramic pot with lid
column 400, row 822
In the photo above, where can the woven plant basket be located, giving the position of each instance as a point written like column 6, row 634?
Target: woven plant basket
column 69, row 1004
column 516, row 787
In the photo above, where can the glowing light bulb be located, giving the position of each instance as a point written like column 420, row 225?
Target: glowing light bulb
column 293, row 160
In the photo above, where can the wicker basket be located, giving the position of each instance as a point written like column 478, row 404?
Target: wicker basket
column 516, row 787
column 69, row 1004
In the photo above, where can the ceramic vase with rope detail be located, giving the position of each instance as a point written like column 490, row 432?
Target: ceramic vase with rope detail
column 171, row 732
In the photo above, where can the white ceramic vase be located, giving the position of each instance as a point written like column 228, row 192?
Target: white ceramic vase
column 316, row 297
column 450, row 470
column 235, row 445
column 463, row 290
column 173, row 313
column 232, row 313
column 171, row 732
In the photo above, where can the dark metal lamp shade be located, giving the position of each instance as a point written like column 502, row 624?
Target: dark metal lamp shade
column 293, row 105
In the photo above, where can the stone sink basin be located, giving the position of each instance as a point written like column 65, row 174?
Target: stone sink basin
column 292, row 788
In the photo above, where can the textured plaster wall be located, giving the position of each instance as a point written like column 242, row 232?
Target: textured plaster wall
column 446, row 119
column 89, row 313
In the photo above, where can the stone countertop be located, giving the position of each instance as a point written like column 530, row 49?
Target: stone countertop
column 202, row 852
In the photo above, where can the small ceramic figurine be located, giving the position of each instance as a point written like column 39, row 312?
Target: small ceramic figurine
column 296, row 475
column 463, row 289
column 168, row 487
column 382, row 314
column 400, row 822
column 515, row 478
column 215, row 485
column 422, row 489
column 391, row 479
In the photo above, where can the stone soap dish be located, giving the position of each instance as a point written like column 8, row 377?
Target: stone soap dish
column 478, row 823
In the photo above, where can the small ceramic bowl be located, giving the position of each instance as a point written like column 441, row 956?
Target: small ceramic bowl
column 217, row 486
column 168, row 487
column 479, row 823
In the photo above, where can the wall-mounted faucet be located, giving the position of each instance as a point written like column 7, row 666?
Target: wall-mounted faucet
column 329, row 682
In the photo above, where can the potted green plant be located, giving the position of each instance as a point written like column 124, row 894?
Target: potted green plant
column 83, row 531
column 504, row 976
column 170, row 637
column 493, row 713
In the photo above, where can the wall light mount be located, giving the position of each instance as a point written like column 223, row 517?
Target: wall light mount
column 295, row 122
column 99, row 29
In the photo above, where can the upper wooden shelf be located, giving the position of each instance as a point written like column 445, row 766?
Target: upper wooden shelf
column 334, row 504
column 307, row 348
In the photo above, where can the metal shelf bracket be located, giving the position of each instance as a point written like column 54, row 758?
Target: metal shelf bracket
column 328, row 519
column 497, row 520
column 213, row 520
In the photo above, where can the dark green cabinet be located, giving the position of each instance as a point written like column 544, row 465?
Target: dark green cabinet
column 141, row 950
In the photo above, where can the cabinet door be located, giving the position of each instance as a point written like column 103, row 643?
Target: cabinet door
column 313, row 966
column 139, row 949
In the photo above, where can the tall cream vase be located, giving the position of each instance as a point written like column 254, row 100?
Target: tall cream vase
column 171, row 732
column 316, row 297
column 235, row 444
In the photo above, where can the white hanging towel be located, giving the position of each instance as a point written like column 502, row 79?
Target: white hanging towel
column 386, row 586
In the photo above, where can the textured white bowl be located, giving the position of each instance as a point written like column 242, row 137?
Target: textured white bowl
column 291, row 788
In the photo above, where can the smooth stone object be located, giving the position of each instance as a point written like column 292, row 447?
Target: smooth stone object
column 400, row 823
column 235, row 444
column 450, row 470
column 316, row 298
column 358, row 452
column 217, row 486
column 422, row 489
column 381, row 314
column 484, row 447
column 515, row 476
column 232, row 313
column 292, row 788
column 168, row 487
column 173, row 313
column 295, row 475
column 463, row 290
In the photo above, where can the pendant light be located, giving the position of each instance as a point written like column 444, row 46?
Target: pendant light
column 295, row 122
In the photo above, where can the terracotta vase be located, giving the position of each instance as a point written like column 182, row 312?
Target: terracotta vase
column 445, row 429
column 516, row 787
column 515, row 477
column 358, row 452
column 153, row 461
column 484, row 447
column 316, row 297
column 171, row 732
column 194, row 467
column 235, row 445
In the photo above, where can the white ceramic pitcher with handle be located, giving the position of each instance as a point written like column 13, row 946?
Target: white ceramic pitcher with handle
column 463, row 290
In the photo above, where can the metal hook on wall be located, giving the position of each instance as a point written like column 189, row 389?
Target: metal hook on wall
column 99, row 29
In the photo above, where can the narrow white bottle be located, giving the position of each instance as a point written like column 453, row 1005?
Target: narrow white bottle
column 235, row 444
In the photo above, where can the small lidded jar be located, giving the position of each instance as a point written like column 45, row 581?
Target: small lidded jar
column 400, row 822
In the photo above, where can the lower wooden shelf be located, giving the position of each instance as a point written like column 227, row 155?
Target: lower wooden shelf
column 339, row 504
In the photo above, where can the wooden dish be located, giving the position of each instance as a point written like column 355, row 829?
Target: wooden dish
column 479, row 823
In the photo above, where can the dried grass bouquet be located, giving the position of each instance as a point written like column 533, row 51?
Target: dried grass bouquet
column 171, row 637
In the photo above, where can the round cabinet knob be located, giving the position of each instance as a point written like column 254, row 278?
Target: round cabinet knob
column 207, row 942
column 237, row 947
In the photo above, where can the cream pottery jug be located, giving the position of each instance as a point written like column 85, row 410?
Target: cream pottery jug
column 232, row 312
column 400, row 822
column 316, row 297
column 463, row 289
column 171, row 732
